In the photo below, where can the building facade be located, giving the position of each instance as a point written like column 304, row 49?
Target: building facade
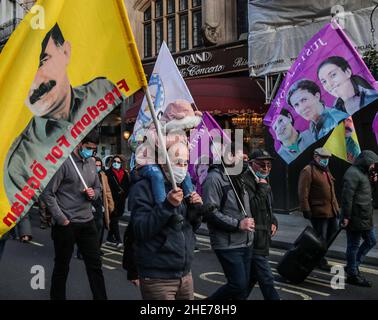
column 208, row 41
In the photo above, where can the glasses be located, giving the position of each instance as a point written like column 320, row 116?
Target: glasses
column 267, row 165
column 117, row 161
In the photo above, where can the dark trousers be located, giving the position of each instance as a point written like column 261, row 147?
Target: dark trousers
column 325, row 228
column 236, row 264
column 113, row 233
column 44, row 213
column 356, row 253
column 2, row 245
column 86, row 237
column 99, row 220
column 262, row 273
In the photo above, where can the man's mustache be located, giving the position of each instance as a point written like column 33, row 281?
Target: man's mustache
column 41, row 90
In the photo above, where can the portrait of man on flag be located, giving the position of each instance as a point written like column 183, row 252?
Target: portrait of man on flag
column 55, row 105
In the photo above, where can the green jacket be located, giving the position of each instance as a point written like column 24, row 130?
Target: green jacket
column 261, row 200
column 357, row 202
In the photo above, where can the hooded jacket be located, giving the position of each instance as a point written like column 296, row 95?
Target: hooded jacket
column 357, row 202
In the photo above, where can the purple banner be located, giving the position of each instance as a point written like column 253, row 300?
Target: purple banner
column 205, row 147
column 327, row 83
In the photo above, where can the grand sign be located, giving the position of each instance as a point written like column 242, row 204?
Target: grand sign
column 210, row 61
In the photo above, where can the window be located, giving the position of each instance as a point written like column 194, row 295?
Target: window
column 197, row 25
column 170, row 6
column 178, row 22
column 184, row 43
column 159, row 35
column 158, row 8
column 183, row 5
column 147, row 33
column 197, row 3
column 171, row 34
column 242, row 17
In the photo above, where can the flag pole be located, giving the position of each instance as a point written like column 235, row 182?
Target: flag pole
column 160, row 137
column 78, row 172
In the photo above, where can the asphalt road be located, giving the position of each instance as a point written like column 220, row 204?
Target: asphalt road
column 17, row 278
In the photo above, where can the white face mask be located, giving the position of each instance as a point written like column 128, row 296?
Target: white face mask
column 179, row 173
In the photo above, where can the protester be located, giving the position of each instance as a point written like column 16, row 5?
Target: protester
column 119, row 184
column 230, row 226
column 357, row 214
column 104, row 205
column 73, row 222
column 352, row 92
column 256, row 179
column 44, row 214
column 164, row 234
column 305, row 97
column 317, row 198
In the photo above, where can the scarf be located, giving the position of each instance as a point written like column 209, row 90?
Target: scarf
column 119, row 174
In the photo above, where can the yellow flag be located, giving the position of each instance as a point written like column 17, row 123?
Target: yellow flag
column 66, row 66
column 343, row 142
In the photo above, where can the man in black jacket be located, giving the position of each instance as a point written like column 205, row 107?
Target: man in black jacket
column 357, row 213
column 164, row 237
column 261, row 198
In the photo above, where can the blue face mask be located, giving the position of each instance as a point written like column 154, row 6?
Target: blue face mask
column 86, row 153
column 98, row 169
column 262, row 176
column 116, row 165
column 323, row 162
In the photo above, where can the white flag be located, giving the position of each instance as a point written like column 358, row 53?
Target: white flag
column 166, row 85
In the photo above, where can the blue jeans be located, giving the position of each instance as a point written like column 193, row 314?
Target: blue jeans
column 261, row 273
column 236, row 264
column 154, row 174
column 355, row 253
column 2, row 245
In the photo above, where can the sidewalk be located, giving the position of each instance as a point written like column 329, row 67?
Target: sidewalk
column 291, row 225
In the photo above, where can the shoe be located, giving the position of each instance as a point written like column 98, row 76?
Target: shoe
column 25, row 239
column 359, row 280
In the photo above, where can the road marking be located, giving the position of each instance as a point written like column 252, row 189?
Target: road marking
column 36, row 244
column 204, row 276
column 112, row 260
column 202, row 239
column 122, row 224
column 108, row 267
column 363, row 269
column 199, row 296
column 303, row 289
column 303, row 295
column 112, row 249
column 313, row 280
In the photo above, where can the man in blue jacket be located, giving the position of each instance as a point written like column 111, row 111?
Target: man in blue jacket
column 164, row 237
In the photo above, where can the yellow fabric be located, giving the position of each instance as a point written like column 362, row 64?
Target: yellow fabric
column 102, row 45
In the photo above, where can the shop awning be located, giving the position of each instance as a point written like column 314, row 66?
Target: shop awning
column 219, row 96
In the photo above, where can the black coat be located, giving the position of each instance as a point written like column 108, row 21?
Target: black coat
column 357, row 201
column 162, row 249
column 119, row 190
column 260, row 199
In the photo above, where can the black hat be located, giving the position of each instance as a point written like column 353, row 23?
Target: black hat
column 260, row 154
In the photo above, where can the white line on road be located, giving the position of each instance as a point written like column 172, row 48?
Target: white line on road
column 112, row 260
column 108, row 267
column 36, row 243
column 303, row 289
column 199, row 296
column 303, row 295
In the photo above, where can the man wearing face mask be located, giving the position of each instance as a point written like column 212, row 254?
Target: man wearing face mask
column 73, row 222
column 119, row 184
column 261, row 202
column 231, row 224
column 317, row 198
column 357, row 214
column 164, row 234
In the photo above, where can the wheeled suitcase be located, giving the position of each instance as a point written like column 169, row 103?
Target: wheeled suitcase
column 308, row 250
